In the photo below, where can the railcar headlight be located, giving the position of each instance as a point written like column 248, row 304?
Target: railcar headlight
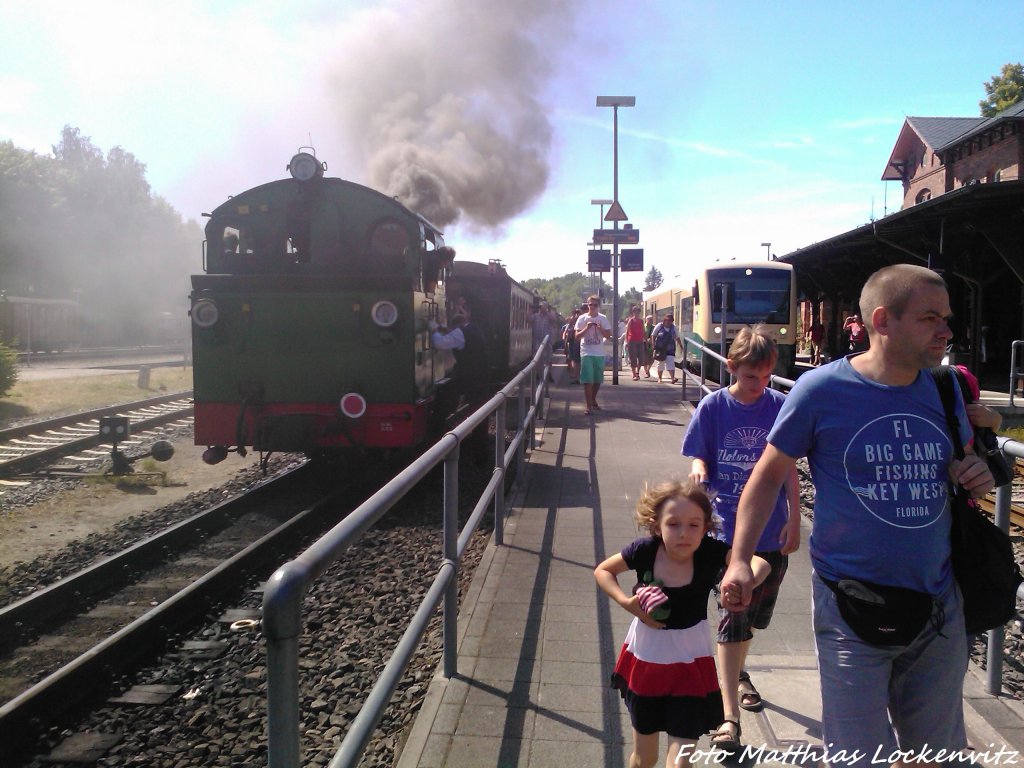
column 353, row 405
column 205, row 313
column 384, row 314
column 783, row 331
column 718, row 330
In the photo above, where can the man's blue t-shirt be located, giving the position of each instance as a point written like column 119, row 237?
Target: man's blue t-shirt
column 878, row 456
column 730, row 437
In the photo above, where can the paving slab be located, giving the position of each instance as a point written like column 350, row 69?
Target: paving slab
column 538, row 640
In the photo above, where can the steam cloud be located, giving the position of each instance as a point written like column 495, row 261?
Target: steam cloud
column 443, row 100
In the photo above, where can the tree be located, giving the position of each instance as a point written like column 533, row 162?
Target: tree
column 8, row 369
column 1003, row 90
column 629, row 298
column 653, row 279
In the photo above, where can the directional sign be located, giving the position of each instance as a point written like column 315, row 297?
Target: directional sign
column 615, row 213
column 613, row 236
column 599, row 261
column 631, row 260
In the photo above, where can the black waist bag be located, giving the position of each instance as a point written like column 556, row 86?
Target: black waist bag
column 879, row 614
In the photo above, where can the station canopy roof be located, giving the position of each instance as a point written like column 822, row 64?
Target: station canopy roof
column 976, row 230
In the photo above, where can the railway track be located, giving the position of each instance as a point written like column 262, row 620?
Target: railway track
column 73, row 639
column 76, row 437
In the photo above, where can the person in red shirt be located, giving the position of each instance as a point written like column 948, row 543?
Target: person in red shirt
column 635, row 342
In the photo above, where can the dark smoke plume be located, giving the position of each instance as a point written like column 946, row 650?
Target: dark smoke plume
column 443, row 98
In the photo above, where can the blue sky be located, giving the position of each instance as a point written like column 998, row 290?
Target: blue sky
column 754, row 121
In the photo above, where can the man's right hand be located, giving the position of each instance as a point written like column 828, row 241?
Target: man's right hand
column 736, row 586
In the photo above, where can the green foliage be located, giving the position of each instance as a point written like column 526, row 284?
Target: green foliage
column 630, row 297
column 84, row 225
column 653, row 279
column 8, row 369
column 1003, row 90
column 568, row 291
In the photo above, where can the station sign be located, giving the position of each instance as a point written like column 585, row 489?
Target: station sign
column 631, row 260
column 599, row 261
column 616, row 236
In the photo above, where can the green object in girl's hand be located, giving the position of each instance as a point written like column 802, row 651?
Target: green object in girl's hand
column 663, row 611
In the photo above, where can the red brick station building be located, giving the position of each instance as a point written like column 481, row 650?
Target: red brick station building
column 962, row 214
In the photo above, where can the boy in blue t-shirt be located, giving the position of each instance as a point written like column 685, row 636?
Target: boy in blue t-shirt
column 726, row 437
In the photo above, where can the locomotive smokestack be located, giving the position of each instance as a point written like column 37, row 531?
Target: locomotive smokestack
column 441, row 97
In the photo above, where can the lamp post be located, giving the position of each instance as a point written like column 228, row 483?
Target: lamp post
column 615, row 102
column 769, row 247
column 602, row 201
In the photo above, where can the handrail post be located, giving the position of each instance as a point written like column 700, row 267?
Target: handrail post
column 1013, row 367
column 282, row 626
column 499, row 463
column 533, row 395
column 994, row 652
column 451, row 555
column 521, row 426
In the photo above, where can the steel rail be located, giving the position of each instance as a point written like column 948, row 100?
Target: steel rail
column 36, row 612
column 22, row 717
column 34, row 428
column 73, row 444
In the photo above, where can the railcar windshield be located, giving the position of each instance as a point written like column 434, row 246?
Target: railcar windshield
column 753, row 295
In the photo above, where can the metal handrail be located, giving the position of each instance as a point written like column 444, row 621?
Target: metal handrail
column 286, row 588
column 703, row 388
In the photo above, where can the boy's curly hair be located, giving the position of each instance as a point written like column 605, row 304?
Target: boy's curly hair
column 653, row 499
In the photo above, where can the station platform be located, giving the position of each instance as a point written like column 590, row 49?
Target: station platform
column 538, row 639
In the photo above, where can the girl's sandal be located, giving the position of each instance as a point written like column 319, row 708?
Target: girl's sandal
column 750, row 699
column 724, row 738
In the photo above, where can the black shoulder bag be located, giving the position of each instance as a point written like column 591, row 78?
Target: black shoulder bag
column 983, row 562
column 985, row 443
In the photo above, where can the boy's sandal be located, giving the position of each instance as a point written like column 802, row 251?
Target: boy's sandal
column 750, row 699
column 587, row 412
column 725, row 739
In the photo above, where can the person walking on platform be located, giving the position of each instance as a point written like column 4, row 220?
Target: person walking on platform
column 726, row 437
column 665, row 339
column 875, row 433
column 572, row 347
column 635, row 341
column 665, row 672
column 648, row 345
column 592, row 329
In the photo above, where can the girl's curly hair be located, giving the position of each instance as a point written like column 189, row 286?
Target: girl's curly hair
column 648, row 509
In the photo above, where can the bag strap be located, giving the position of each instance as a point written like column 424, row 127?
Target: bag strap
column 943, row 376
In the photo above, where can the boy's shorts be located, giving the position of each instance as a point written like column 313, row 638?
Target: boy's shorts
column 735, row 627
column 592, row 369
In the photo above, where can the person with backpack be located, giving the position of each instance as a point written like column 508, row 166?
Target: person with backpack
column 664, row 339
column 889, row 624
column 572, row 347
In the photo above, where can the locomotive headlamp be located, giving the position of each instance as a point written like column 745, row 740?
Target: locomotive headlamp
column 353, row 405
column 304, row 167
column 718, row 330
column 384, row 314
column 205, row 313
column 783, row 331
